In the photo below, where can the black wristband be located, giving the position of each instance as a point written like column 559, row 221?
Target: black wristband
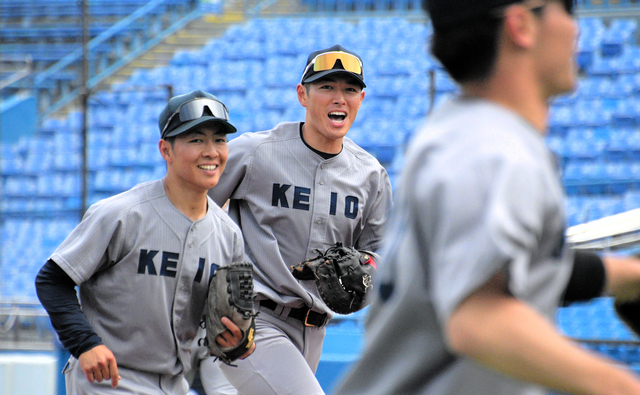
column 587, row 279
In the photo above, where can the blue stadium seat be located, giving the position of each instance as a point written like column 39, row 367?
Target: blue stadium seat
column 620, row 32
column 631, row 200
column 283, row 71
column 11, row 163
column 124, row 157
column 185, row 58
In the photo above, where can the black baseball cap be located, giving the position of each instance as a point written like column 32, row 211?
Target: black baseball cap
column 186, row 112
column 333, row 60
column 450, row 13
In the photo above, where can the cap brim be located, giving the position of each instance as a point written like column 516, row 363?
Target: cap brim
column 202, row 121
column 325, row 73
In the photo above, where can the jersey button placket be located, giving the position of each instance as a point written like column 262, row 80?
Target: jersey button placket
column 321, row 198
column 185, row 275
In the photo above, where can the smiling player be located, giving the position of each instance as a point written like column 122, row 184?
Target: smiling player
column 142, row 261
column 296, row 188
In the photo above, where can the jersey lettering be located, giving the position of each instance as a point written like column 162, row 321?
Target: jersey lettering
column 200, row 270
column 351, row 207
column 302, row 197
column 169, row 263
column 334, row 203
column 213, row 270
column 146, row 262
column 278, row 195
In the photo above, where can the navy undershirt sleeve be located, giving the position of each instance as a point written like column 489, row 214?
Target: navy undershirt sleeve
column 587, row 279
column 56, row 291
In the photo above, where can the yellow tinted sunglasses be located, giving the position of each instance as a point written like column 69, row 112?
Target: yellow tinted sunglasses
column 327, row 61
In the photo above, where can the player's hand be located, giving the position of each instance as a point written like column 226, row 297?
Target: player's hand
column 99, row 364
column 232, row 337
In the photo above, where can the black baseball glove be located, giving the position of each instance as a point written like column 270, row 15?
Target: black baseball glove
column 231, row 295
column 343, row 276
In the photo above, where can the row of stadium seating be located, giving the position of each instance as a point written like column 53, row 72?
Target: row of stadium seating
column 51, row 50
column 259, row 93
column 26, row 11
column 41, row 182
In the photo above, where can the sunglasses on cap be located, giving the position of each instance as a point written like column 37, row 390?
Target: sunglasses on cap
column 326, row 61
column 194, row 109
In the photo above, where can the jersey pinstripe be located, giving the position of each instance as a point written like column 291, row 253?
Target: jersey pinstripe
column 143, row 268
column 290, row 201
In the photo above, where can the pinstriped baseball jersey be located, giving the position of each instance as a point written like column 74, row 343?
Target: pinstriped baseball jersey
column 479, row 194
column 143, row 269
column 290, row 201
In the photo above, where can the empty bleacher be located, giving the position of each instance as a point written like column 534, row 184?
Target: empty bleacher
column 41, row 43
column 254, row 68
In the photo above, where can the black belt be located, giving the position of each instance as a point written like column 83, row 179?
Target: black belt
column 304, row 314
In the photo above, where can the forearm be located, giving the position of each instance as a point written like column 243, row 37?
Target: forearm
column 56, row 292
column 506, row 335
column 623, row 277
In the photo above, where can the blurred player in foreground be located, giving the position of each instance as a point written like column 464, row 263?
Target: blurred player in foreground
column 296, row 188
column 474, row 263
column 142, row 260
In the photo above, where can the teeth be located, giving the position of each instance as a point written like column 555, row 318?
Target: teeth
column 337, row 116
column 208, row 167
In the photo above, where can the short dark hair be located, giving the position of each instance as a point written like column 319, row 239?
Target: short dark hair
column 468, row 52
column 171, row 140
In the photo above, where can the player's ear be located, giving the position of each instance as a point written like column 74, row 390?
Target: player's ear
column 165, row 149
column 302, row 94
column 520, row 26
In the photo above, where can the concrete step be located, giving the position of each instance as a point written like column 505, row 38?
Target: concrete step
column 192, row 38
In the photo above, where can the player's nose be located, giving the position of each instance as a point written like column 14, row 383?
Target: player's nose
column 210, row 150
column 338, row 97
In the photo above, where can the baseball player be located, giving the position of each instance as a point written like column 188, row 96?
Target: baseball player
column 142, row 260
column 474, row 263
column 300, row 187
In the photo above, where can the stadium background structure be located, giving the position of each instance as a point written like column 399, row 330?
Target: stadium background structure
column 250, row 54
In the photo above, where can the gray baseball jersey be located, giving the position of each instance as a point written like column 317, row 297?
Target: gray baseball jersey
column 290, row 201
column 143, row 269
column 479, row 194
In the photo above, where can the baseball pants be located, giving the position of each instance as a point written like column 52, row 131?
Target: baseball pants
column 285, row 360
column 131, row 382
column 212, row 379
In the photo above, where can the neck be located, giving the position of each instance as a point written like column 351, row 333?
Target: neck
column 514, row 86
column 536, row 112
column 191, row 203
column 319, row 142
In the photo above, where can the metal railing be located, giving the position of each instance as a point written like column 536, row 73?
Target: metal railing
column 108, row 52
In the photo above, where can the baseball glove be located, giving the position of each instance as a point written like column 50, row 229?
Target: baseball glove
column 343, row 276
column 231, row 295
column 629, row 313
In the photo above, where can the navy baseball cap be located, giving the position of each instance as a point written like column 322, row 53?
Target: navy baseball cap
column 449, row 13
column 333, row 60
column 186, row 112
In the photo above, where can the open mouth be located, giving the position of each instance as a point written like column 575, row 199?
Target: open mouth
column 208, row 167
column 337, row 116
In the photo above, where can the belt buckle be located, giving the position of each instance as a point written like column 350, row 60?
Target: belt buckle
column 306, row 318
